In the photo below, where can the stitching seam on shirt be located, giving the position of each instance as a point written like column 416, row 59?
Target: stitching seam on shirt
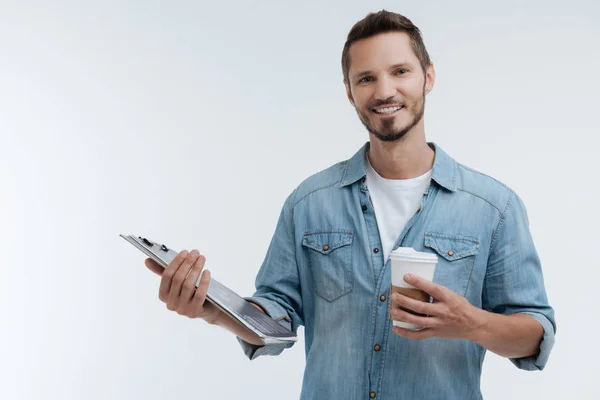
column 461, row 238
column 301, row 307
column 482, row 174
column 501, row 222
column 482, row 198
column 328, row 232
column 386, row 335
column 291, row 201
column 316, row 190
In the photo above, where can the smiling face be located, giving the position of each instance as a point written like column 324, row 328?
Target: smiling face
column 387, row 86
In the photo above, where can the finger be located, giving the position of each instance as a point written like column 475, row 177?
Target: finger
column 418, row 306
column 436, row 291
column 424, row 322
column 168, row 273
column 414, row 335
column 200, row 295
column 153, row 266
column 189, row 286
column 179, row 278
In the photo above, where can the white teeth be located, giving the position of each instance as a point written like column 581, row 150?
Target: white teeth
column 387, row 110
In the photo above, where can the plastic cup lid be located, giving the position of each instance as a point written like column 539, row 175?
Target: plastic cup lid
column 410, row 254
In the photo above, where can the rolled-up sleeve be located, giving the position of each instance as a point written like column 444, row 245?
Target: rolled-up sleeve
column 514, row 281
column 278, row 284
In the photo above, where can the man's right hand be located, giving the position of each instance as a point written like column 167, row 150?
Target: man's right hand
column 178, row 286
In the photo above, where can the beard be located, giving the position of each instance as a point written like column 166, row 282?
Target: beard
column 389, row 132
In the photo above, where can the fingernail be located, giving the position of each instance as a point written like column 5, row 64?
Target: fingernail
column 408, row 277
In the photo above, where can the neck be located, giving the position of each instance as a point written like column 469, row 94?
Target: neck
column 406, row 158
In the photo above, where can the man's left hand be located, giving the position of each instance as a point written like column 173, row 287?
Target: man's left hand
column 449, row 316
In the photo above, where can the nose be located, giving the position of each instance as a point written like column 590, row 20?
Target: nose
column 384, row 89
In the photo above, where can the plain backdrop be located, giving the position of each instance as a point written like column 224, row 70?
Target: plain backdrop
column 190, row 122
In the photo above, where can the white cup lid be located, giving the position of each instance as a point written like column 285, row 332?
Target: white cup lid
column 410, row 254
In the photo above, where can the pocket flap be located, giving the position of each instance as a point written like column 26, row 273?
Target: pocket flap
column 326, row 242
column 451, row 247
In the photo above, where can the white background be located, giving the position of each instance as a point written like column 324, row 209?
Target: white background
column 191, row 122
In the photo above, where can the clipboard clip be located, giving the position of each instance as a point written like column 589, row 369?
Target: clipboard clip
column 151, row 244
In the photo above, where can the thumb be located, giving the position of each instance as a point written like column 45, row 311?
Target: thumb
column 153, row 266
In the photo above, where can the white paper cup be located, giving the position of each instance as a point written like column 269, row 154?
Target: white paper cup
column 406, row 260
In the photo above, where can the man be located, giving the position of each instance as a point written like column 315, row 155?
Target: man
column 327, row 267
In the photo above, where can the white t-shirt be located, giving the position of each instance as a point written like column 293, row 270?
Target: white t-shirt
column 395, row 201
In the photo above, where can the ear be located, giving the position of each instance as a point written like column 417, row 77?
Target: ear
column 429, row 78
column 349, row 92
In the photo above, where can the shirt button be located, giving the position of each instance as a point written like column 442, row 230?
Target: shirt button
column 375, row 250
column 372, row 395
column 325, row 248
column 382, row 298
column 377, row 347
column 450, row 253
column 364, row 208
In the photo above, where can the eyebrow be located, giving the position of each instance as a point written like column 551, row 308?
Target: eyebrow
column 395, row 66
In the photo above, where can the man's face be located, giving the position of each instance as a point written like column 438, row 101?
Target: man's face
column 387, row 86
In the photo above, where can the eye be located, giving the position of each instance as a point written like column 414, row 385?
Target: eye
column 365, row 79
column 401, row 71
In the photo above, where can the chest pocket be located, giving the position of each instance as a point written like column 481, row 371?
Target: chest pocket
column 330, row 259
column 456, row 259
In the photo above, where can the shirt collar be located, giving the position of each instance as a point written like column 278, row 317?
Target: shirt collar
column 444, row 168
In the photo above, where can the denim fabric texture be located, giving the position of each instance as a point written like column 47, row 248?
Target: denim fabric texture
column 324, row 271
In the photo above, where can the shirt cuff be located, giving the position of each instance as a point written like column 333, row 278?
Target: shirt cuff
column 276, row 312
column 538, row 362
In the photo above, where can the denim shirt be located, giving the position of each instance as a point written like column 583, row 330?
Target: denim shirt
column 324, row 270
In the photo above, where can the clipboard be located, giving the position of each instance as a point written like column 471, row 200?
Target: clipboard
column 266, row 328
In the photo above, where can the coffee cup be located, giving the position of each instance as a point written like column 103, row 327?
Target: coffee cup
column 406, row 260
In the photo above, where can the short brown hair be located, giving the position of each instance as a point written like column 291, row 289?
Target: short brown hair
column 382, row 22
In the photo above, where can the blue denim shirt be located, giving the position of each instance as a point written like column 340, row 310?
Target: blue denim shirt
column 339, row 292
